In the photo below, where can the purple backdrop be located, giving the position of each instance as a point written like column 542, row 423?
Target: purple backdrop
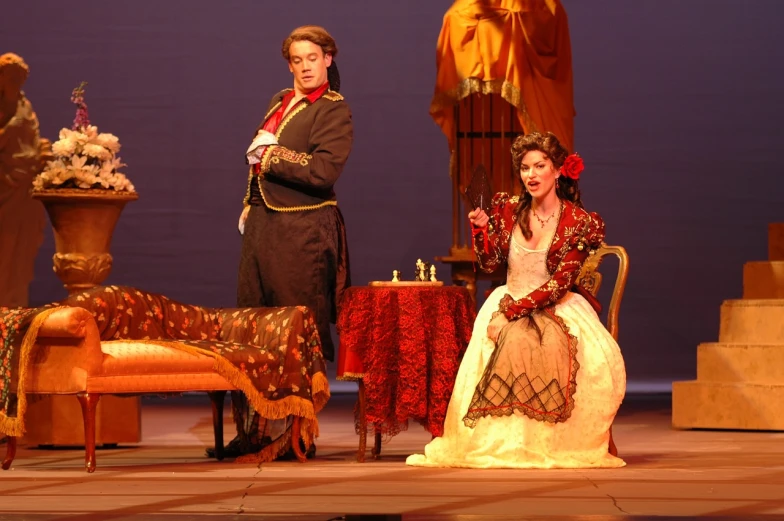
column 678, row 120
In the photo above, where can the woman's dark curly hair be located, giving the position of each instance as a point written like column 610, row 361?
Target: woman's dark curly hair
column 565, row 188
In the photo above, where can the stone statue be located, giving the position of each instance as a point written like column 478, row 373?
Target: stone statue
column 22, row 156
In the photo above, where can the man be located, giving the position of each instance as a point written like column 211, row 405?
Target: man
column 294, row 248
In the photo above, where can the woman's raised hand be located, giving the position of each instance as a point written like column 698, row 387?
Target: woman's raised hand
column 478, row 218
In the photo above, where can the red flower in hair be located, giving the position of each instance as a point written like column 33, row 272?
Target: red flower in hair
column 572, row 166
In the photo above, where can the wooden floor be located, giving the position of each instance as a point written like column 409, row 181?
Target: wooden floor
column 669, row 473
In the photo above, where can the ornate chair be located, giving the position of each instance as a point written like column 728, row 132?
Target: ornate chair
column 591, row 280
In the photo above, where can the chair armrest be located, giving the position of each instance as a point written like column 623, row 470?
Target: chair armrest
column 67, row 352
column 66, row 323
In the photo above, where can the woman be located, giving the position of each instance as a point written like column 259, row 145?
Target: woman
column 542, row 379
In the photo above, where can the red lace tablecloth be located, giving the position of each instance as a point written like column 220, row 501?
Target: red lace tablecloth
column 405, row 343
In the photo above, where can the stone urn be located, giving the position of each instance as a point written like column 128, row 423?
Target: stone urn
column 83, row 221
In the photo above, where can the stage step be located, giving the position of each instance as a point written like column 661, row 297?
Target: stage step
column 763, row 280
column 733, row 363
column 720, row 405
column 776, row 241
column 752, row 321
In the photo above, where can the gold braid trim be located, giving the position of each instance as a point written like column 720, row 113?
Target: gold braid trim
column 288, row 117
column 469, row 86
column 271, row 155
column 331, row 95
column 293, row 208
column 16, row 426
column 275, row 107
column 246, row 200
column 264, row 165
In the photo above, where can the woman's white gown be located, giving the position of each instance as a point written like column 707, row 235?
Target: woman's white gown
column 516, row 441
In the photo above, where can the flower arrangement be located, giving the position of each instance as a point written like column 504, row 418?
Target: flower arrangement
column 83, row 157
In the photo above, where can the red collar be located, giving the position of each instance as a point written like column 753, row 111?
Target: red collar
column 312, row 97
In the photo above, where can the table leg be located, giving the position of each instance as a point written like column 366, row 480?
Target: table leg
column 376, row 452
column 362, row 423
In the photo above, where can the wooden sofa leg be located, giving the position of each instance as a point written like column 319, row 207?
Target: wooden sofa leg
column 89, row 402
column 217, row 398
column 362, row 423
column 10, row 452
column 295, row 436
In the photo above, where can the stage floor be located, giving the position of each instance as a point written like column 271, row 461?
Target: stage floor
column 669, row 473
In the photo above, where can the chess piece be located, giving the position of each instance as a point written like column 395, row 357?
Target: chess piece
column 420, row 271
column 395, row 276
column 433, row 274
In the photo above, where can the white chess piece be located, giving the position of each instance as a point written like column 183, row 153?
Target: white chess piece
column 420, row 270
column 395, row 276
column 433, row 274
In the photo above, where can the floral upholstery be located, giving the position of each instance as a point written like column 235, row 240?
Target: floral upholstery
column 117, row 340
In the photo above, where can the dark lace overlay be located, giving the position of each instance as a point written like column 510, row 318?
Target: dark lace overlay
column 533, row 370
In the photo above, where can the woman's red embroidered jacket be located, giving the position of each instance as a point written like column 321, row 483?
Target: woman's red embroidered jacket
column 578, row 235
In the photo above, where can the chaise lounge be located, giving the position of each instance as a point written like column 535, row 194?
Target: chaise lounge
column 122, row 341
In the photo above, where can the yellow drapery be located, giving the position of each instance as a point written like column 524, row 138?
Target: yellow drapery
column 519, row 49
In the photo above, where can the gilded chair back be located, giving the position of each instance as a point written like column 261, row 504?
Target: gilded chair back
column 591, row 279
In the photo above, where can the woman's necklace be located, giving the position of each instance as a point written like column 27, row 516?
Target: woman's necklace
column 542, row 221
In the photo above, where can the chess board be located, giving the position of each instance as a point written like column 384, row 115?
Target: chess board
column 389, row 283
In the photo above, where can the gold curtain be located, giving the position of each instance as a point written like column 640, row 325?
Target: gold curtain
column 519, row 49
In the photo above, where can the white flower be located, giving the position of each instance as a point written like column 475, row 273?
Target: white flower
column 91, row 131
column 97, row 151
column 74, row 135
column 78, row 162
column 108, row 141
column 64, row 147
column 73, row 151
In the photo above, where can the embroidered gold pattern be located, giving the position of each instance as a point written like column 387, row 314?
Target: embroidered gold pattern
column 331, row 95
column 289, row 155
column 273, row 154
